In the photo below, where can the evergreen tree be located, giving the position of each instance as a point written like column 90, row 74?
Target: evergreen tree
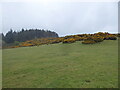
column 30, row 34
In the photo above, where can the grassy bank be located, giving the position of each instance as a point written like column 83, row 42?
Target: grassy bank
column 62, row 66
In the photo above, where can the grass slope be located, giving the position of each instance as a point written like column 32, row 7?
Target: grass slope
column 62, row 66
column 0, row 69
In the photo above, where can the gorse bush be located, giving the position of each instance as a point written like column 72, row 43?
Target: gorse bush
column 88, row 42
column 118, row 35
column 25, row 44
column 98, row 38
column 110, row 37
column 78, row 38
column 14, row 46
column 71, row 40
column 93, row 39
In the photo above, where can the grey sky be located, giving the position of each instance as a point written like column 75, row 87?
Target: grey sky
column 64, row 17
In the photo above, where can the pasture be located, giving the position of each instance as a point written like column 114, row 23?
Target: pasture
column 60, row 65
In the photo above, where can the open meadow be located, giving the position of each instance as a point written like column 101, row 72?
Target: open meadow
column 60, row 65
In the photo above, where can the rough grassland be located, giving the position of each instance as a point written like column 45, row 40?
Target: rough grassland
column 62, row 66
column 0, row 68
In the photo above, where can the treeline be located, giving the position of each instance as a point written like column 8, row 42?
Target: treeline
column 83, row 38
column 24, row 35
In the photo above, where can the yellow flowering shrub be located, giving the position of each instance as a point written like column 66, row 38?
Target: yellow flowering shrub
column 110, row 37
column 88, row 42
column 70, row 40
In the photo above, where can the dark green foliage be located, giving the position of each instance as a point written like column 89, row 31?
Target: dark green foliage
column 110, row 37
column 30, row 34
column 98, row 38
column 9, row 37
column 118, row 34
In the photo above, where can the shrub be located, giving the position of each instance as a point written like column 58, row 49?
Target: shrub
column 102, row 34
column 54, row 41
column 78, row 38
column 70, row 40
column 118, row 35
column 16, row 43
column 88, row 42
column 110, row 37
column 14, row 47
column 88, row 38
column 93, row 39
column 98, row 38
column 24, row 44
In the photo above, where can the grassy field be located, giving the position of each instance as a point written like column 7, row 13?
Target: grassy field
column 0, row 68
column 62, row 66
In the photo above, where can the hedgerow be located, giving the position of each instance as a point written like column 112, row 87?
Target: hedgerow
column 85, row 38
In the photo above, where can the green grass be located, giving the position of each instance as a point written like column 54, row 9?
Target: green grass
column 0, row 68
column 62, row 66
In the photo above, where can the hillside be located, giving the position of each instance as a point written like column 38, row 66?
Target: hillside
column 73, row 65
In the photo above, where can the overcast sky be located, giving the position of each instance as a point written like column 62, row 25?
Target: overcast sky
column 62, row 17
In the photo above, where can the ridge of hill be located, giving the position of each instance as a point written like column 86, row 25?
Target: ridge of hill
column 85, row 38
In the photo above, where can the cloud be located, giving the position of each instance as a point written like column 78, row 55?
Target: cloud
column 59, row 0
column 110, row 29
column 64, row 18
